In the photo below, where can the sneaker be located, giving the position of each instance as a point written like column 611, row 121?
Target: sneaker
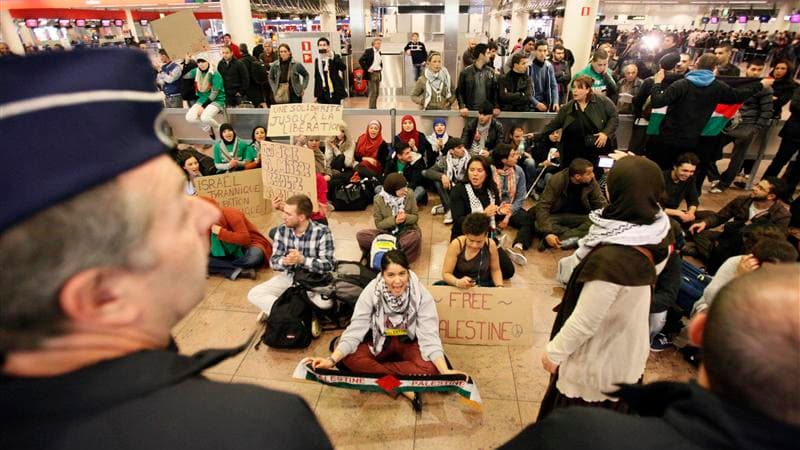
column 329, row 206
column 740, row 184
column 716, row 190
column 437, row 210
column 660, row 343
column 262, row 317
column 316, row 328
column 448, row 218
column 517, row 257
column 250, row 274
column 569, row 244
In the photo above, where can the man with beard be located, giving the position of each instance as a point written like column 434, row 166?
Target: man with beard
column 679, row 187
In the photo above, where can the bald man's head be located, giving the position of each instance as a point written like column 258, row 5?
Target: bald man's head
column 751, row 342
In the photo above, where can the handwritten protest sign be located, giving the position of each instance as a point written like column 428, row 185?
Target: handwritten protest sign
column 180, row 34
column 287, row 170
column 294, row 119
column 241, row 190
column 484, row 316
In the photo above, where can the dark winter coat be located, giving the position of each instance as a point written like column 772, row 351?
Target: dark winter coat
column 234, row 76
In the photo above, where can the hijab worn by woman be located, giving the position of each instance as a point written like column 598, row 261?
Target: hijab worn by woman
column 405, row 136
column 369, row 147
column 634, row 187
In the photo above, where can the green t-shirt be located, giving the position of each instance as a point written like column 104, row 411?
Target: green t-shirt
column 223, row 249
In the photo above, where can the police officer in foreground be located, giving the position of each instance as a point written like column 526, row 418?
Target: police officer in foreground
column 101, row 254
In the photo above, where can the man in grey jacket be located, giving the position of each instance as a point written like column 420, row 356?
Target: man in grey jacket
column 756, row 115
column 543, row 76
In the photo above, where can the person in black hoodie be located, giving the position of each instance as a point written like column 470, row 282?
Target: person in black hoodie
column 745, row 396
column 515, row 87
column 690, row 103
column 641, row 109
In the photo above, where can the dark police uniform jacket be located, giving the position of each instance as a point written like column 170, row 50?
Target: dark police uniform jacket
column 152, row 400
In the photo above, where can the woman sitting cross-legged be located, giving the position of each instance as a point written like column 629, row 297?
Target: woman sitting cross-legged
column 395, row 212
column 394, row 328
column 473, row 259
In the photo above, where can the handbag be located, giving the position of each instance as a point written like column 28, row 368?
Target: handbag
column 282, row 94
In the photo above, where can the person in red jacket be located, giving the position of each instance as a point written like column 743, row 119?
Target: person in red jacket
column 228, row 42
column 237, row 247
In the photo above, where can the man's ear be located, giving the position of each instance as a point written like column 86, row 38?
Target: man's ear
column 696, row 328
column 90, row 297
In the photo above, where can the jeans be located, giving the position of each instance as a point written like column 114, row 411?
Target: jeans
column 409, row 241
column 198, row 114
column 529, row 167
column 253, row 257
column 742, row 136
column 436, row 177
column 523, row 221
column 657, row 322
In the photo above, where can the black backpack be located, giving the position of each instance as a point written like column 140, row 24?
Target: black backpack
column 289, row 321
column 349, row 280
column 350, row 197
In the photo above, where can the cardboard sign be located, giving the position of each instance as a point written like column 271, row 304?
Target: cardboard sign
column 241, row 190
column 484, row 316
column 294, row 119
column 287, row 170
column 180, row 34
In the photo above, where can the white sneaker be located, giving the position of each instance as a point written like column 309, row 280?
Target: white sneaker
column 716, row 190
column 501, row 240
column 437, row 210
column 448, row 218
column 517, row 258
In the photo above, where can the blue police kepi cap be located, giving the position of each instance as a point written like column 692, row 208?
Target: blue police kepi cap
column 71, row 121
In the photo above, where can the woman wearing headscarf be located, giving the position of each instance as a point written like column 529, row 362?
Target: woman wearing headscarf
column 371, row 151
column 438, row 139
column 231, row 153
column 477, row 193
column 600, row 337
column 287, row 77
column 210, row 95
column 395, row 212
column 417, row 141
column 446, row 173
column 394, row 328
column 434, row 87
column 340, row 153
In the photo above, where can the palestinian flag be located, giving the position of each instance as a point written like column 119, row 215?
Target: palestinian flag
column 391, row 384
column 719, row 118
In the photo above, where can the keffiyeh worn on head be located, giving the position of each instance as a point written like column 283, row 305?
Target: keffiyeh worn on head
column 405, row 305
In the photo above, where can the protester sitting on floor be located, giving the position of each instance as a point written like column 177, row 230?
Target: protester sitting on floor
column 231, row 153
column 477, row 193
column 473, row 259
column 448, row 171
column 733, row 404
column 480, row 135
column 762, row 205
column 679, row 187
column 319, row 215
column 340, row 154
column 415, row 139
column 395, row 212
column 210, row 95
column 394, row 328
column 562, row 212
column 299, row 244
column 371, row 151
column 237, row 247
column 258, row 136
column 97, row 272
column 510, row 183
column 600, row 335
column 191, row 167
column 438, row 139
column 547, row 157
column 408, row 163
column 313, row 143
column 766, row 252
column 519, row 140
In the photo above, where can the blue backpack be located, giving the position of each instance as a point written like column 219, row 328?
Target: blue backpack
column 693, row 283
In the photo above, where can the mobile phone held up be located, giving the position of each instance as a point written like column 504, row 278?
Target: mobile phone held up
column 606, row 162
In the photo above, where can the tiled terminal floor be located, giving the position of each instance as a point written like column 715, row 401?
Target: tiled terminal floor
column 510, row 379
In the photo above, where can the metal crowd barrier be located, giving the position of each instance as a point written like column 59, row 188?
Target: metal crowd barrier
column 244, row 120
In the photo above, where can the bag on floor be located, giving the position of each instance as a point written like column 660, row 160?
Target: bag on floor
column 349, row 280
column 382, row 244
column 693, row 283
column 289, row 321
column 350, row 197
column 359, row 82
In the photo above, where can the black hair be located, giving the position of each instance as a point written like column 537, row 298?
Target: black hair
column 540, row 43
column 511, row 130
column 163, row 52
column 492, row 45
column 501, row 152
column 516, row 58
column 488, row 183
column 777, row 186
column 253, row 133
column 479, row 49
column 401, row 147
column 475, row 224
column 687, row 158
column 579, row 166
column 394, row 257
column 323, row 39
column 486, row 108
column 752, row 234
column 558, row 47
column 756, row 62
column 529, row 39
column 227, row 126
column 775, row 251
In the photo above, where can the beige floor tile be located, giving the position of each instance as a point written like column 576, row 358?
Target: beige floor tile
column 211, row 328
column 355, row 420
column 278, row 364
column 545, row 297
column 530, row 378
column 528, row 412
column 232, row 295
column 447, row 423
column 306, row 389
column 219, row 377
column 347, row 250
column 668, row 365
column 489, row 366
